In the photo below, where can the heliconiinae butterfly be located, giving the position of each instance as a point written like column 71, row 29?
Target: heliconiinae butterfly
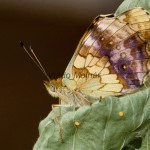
column 112, row 58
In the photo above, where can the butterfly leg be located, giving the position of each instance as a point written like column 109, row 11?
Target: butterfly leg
column 60, row 107
column 145, row 85
column 85, row 99
column 56, row 118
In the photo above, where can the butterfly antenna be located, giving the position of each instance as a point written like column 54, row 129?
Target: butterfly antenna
column 34, row 59
column 41, row 66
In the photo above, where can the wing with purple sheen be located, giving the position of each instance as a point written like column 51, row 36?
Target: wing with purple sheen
column 124, row 40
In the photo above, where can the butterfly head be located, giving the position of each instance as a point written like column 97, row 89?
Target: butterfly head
column 52, row 86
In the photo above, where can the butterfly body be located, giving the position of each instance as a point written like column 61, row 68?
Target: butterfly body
column 66, row 95
column 112, row 58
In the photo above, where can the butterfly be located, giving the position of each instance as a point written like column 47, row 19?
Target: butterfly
column 112, row 58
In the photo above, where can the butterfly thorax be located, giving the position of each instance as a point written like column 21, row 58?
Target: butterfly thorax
column 67, row 96
column 57, row 90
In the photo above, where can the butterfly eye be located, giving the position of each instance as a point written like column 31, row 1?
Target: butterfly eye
column 52, row 87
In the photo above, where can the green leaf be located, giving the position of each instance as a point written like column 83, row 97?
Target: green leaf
column 101, row 127
column 135, row 144
column 129, row 4
column 146, row 141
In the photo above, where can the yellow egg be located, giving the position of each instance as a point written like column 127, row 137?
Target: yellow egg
column 77, row 123
column 121, row 114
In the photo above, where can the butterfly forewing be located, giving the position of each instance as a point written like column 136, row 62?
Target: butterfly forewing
column 113, row 55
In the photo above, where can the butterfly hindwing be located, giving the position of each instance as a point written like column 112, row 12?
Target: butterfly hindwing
column 113, row 55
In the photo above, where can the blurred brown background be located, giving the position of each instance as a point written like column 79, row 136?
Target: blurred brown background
column 53, row 28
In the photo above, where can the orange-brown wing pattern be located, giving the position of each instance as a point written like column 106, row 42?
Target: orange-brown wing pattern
column 113, row 55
